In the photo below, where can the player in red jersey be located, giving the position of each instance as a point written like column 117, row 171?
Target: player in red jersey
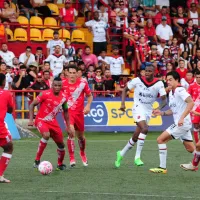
column 75, row 90
column 194, row 91
column 51, row 102
column 6, row 106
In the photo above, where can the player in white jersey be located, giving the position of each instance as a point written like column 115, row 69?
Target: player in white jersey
column 181, row 104
column 146, row 91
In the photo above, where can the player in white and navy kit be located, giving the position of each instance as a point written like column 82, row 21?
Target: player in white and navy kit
column 181, row 104
column 146, row 91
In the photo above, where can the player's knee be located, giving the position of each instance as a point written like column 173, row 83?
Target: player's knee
column 61, row 145
column 198, row 146
column 8, row 148
column 144, row 130
column 160, row 140
column 46, row 136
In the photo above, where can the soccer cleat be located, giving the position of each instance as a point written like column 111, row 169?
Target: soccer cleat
column 72, row 161
column 61, row 167
column 138, row 162
column 158, row 170
column 83, row 158
column 4, row 180
column 36, row 164
column 189, row 167
column 118, row 160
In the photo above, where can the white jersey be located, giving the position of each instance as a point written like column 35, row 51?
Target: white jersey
column 7, row 57
column 115, row 64
column 177, row 104
column 56, row 63
column 145, row 94
column 52, row 43
column 184, row 83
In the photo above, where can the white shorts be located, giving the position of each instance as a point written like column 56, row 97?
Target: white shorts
column 182, row 133
column 139, row 115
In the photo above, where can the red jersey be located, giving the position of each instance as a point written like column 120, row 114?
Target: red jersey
column 143, row 50
column 6, row 102
column 194, row 90
column 182, row 73
column 75, row 94
column 50, row 105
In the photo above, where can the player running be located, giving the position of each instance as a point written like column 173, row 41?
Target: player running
column 181, row 104
column 51, row 102
column 6, row 106
column 146, row 91
column 75, row 90
column 194, row 91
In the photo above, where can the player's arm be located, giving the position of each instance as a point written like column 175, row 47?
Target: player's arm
column 89, row 102
column 162, row 113
column 163, row 102
column 124, row 93
column 195, row 112
column 66, row 114
column 10, row 104
column 31, row 111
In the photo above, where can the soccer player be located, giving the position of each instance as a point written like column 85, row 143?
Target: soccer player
column 146, row 91
column 181, row 104
column 194, row 91
column 6, row 106
column 51, row 102
column 75, row 90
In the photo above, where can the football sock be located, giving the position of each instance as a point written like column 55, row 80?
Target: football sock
column 71, row 146
column 163, row 155
column 82, row 144
column 140, row 144
column 61, row 155
column 41, row 148
column 196, row 159
column 128, row 146
column 196, row 135
column 4, row 161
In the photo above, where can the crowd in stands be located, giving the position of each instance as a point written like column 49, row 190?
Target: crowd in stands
column 164, row 33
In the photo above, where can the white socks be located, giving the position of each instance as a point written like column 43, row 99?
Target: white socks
column 129, row 145
column 140, row 144
column 163, row 155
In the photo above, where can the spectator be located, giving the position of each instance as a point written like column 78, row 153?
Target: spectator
column 65, row 70
column 78, row 56
column 193, row 14
column 197, row 69
column 175, row 50
column 116, row 63
column 9, row 78
column 88, row 9
column 21, row 82
column 91, row 76
column 169, row 67
column 3, row 70
column 81, row 75
column 82, row 66
column 161, row 47
column 196, row 59
column 27, row 57
column 54, row 42
column 15, row 67
column 103, row 60
column 149, row 7
column 181, row 69
column 161, row 3
column 140, row 14
column 68, row 15
column 189, row 79
column 150, row 31
column 189, row 2
column 187, row 59
column 98, row 81
column 69, row 51
column 26, row 8
column 174, row 4
column 164, row 31
column 180, row 20
column 46, row 67
column 133, row 16
column 196, row 46
column 47, row 80
column 89, row 58
column 39, row 56
column 32, row 71
column 103, row 15
column 134, row 3
column 57, row 61
column 121, row 15
column 6, row 55
column 109, row 83
column 41, row 7
column 163, row 13
column 100, row 32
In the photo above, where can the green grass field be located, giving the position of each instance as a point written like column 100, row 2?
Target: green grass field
column 100, row 180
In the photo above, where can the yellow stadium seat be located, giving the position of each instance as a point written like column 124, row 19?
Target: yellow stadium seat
column 9, row 33
column 78, row 36
column 20, row 34
column 36, row 22
column 35, row 35
column 50, row 22
column 54, row 8
column 63, row 34
column 23, row 20
column 47, row 34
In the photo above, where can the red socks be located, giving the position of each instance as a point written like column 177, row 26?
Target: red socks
column 196, row 159
column 82, row 144
column 71, row 146
column 61, row 155
column 196, row 135
column 41, row 148
column 4, row 161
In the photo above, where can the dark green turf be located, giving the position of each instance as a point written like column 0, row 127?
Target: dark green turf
column 101, row 181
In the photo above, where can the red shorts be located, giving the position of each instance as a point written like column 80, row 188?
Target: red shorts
column 195, row 118
column 51, row 127
column 5, row 136
column 77, row 120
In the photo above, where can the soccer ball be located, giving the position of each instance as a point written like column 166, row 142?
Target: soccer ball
column 45, row 168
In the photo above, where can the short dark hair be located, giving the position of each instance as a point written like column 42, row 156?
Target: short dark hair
column 68, row 39
column 190, row 72
column 72, row 67
column 79, row 69
column 2, row 79
column 39, row 48
column 81, row 63
column 22, row 66
column 46, row 71
column 175, row 75
column 197, row 73
column 198, row 49
column 57, row 79
column 8, row 67
column 2, row 63
column 87, row 47
column 77, row 50
column 28, row 47
column 165, row 7
column 46, row 62
column 98, row 68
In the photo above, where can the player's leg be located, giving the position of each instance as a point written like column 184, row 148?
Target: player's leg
column 128, row 146
column 196, row 132
column 162, row 145
column 44, row 131
column 7, row 145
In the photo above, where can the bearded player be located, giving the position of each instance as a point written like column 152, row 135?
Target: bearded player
column 51, row 102
column 6, row 106
column 146, row 91
column 75, row 90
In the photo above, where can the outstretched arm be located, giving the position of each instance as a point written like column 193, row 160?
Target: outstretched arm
column 124, row 93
